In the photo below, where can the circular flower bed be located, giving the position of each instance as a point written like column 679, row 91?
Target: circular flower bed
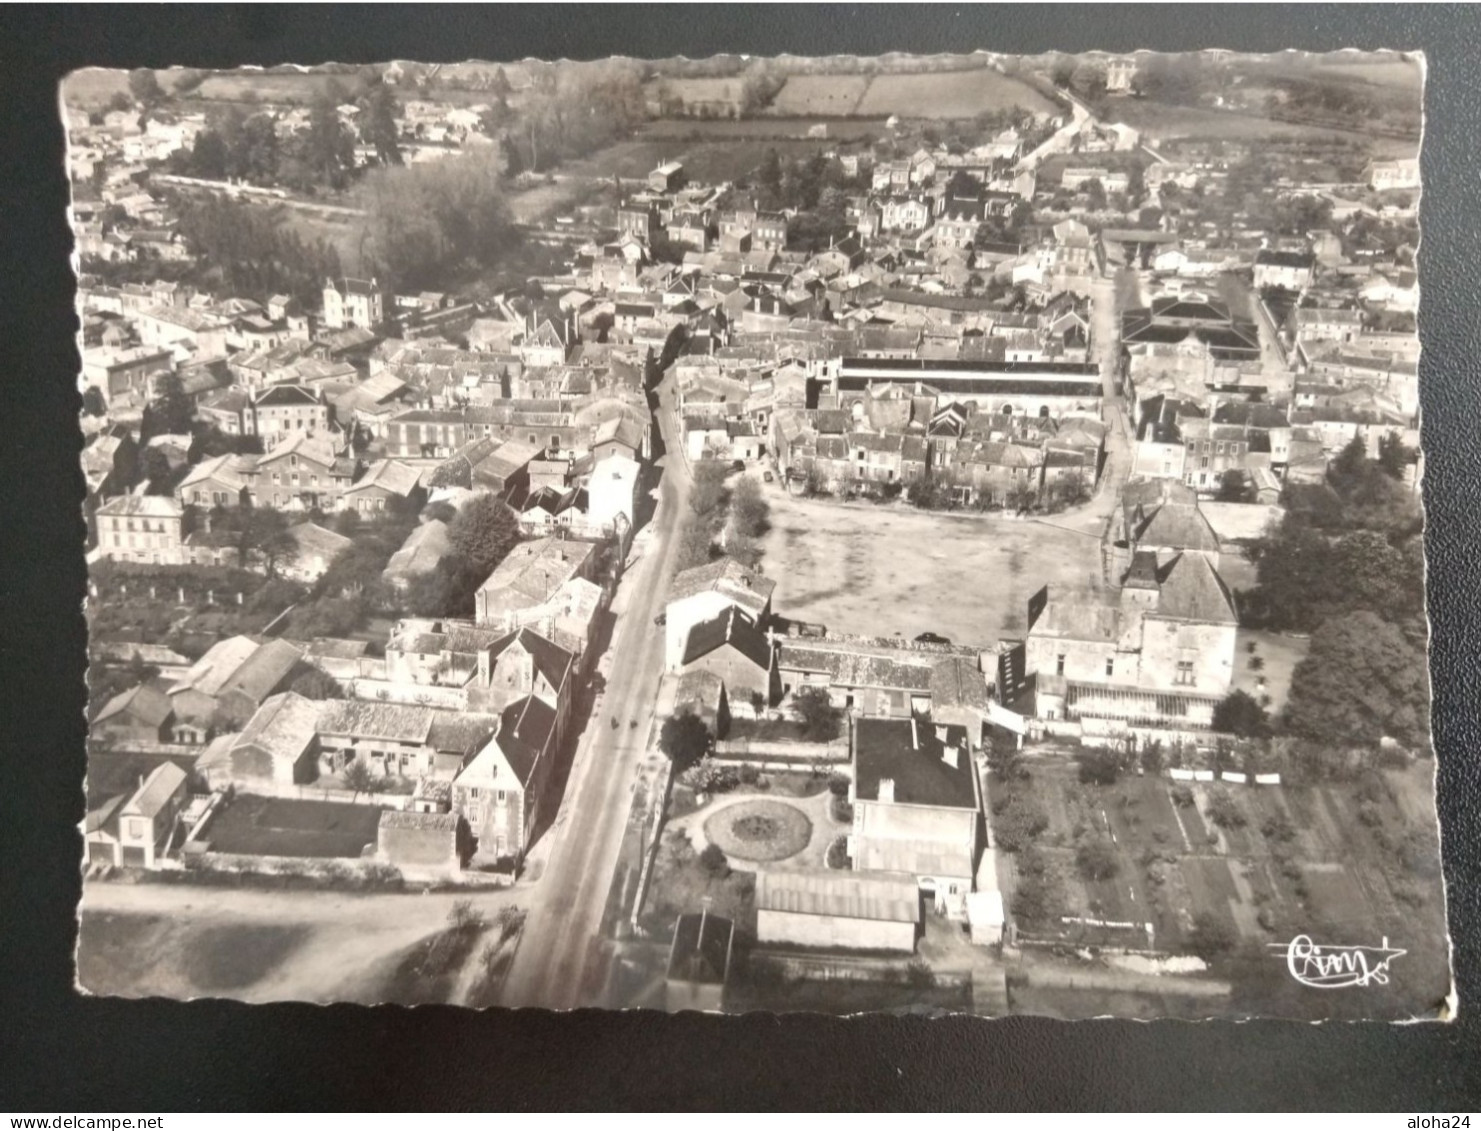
column 762, row 829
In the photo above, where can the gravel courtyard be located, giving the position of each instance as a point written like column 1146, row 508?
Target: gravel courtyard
column 886, row 569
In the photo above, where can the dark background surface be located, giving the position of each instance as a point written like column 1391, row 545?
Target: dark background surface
column 61, row 1052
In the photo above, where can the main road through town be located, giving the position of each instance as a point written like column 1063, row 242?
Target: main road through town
column 561, row 958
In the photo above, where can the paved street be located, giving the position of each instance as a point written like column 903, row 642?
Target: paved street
column 561, row 960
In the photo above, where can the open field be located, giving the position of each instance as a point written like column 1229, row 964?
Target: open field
column 950, row 94
column 121, row 954
column 891, row 570
column 821, row 94
column 705, row 129
column 92, row 87
column 940, row 94
column 726, row 158
column 185, row 940
column 250, row 86
column 1385, row 72
column 1162, row 122
column 276, row 826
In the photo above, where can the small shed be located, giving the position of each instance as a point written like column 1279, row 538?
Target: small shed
column 837, row 910
column 985, row 917
column 420, row 844
column 699, row 962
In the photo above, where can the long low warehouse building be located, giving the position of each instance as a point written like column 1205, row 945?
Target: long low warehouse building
column 1045, row 388
column 837, row 910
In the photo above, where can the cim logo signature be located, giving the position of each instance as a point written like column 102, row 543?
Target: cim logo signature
column 1337, row 967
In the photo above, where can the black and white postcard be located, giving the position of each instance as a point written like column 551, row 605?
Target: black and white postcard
column 920, row 533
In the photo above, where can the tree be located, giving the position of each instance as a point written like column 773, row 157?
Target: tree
column 145, row 88
column 714, row 862
column 820, row 718
column 1095, row 194
column 378, row 123
column 1393, row 456
column 1211, row 937
column 1021, row 496
column 1073, row 488
column 1235, row 487
column 685, row 739
column 357, row 777
column 749, row 508
column 1097, row 860
column 429, row 221
column 483, row 533
column 325, row 152
column 93, row 403
column 1361, row 680
column 769, row 173
column 156, row 471
column 347, row 523
column 262, row 535
column 1239, row 713
column 315, row 683
column 173, row 410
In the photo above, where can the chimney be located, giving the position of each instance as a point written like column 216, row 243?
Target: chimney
column 887, row 790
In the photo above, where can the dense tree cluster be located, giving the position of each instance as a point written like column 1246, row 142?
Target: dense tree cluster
column 480, row 536
column 1365, row 674
column 568, row 113
column 245, row 250
column 431, row 223
column 707, row 501
column 240, row 146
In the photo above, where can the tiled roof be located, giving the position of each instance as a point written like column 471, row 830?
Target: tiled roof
column 263, row 670
column 1179, row 526
column 728, row 577
column 283, row 726
column 389, row 475
column 1077, row 619
column 424, row 547
column 1192, row 590
column 460, row 732
column 156, row 790
column 410, row 819
column 732, row 630
column 142, row 506
column 850, row 664
column 957, row 682
column 391, row 721
column 144, row 703
column 551, row 660
column 524, row 730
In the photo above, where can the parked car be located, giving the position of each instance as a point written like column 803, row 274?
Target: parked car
column 661, row 618
column 932, row 638
column 767, row 477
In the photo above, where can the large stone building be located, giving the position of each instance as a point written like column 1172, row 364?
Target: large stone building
column 916, row 809
column 1159, row 653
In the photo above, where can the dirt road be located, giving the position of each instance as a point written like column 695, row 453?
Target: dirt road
column 348, row 943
